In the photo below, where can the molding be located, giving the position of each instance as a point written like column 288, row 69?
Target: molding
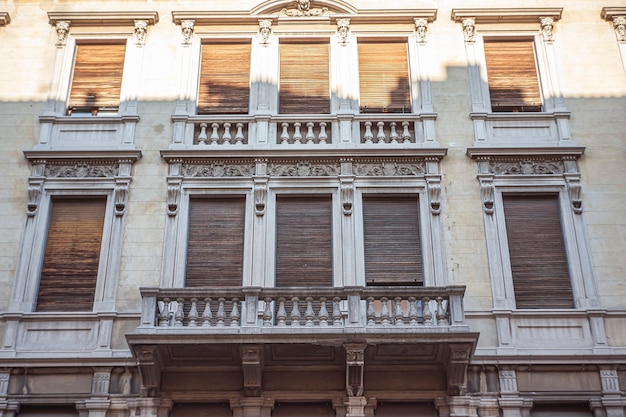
column 5, row 19
column 130, row 155
column 512, row 15
column 608, row 13
column 574, row 151
column 103, row 18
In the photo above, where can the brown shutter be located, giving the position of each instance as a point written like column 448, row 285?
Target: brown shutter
column 393, row 254
column 215, row 244
column 70, row 264
column 512, row 76
column 304, row 72
column 304, row 250
column 224, row 78
column 384, row 77
column 537, row 252
column 97, row 78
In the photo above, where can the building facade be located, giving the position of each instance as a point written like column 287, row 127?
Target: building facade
column 313, row 208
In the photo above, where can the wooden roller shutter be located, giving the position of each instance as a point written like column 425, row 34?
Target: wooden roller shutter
column 537, row 251
column 70, row 264
column 304, row 250
column 304, row 83
column 393, row 254
column 224, row 78
column 384, row 77
column 216, row 240
column 97, row 78
column 512, row 76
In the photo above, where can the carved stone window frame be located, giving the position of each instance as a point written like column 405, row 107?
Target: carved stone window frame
column 96, row 132
column 550, row 127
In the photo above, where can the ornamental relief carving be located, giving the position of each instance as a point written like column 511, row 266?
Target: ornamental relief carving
column 527, row 167
column 303, row 8
column 390, row 169
column 81, row 170
column 217, row 170
column 304, row 169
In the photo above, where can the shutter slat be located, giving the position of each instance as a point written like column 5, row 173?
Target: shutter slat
column 224, row 78
column 97, row 77
column 512, row 75
column 393, row 253
column 384, row 77
column 215, row 242
column 304, row 241
column 72, row 255
column 537, row 252
column 304, row 78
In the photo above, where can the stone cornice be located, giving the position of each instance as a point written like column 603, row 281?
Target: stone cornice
column 571, row 151
column 5, row 19
column 608, row 13
column 127, row 155
column 513, row 15
column 110, row 18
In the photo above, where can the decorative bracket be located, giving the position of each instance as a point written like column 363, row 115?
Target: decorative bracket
column 121, row 197
column 355, row 362
column 62, row 28
column 574, row 190
column 619, row 24
column 173, row 193
column 434, row 193
column 252, row 370
column 469, row 29
column 141, row 29
column 421, row 27
column 34, row 195
column 486, row 194
column 265, row 30
column 260, row 196
column 458, row 361
column 343, row 29
column 547, row 28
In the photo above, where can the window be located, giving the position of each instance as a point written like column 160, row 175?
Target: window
column 72, row 256
column 383, row 82
column 304, row 77
column 97, row 79
column 304, row 252
column 215, row 243
column 539, row 265
column 392, row 241
column 512, row 75
column 224, row 78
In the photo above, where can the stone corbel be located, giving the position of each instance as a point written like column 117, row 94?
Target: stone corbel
column 173, row 194
column 187, row 27
column 458, row 361
column 421, row 27
column 347, row 196
column 619, row 24
column 355, row 362
column 265, row 31
column 547, row 28
column 150, row 368
column 63, row 29
column 121, row 197
column 469, row 29
column 260, row 196
column 574, row 190
column 487, row 194
column 141, row 29
column 252, row 370
column 343, row 30
column 434, row 193
column 35, row 188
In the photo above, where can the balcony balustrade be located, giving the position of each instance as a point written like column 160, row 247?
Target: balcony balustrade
column 350, row 309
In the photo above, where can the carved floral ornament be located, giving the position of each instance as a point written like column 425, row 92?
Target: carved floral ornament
column 303, row 8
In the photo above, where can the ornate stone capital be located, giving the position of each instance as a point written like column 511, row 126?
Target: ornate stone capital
column 343, row 30
column 187, row 27
column 265, row 30
column 141, row 29
column 421, row 27
column 62, row 28
column 547, row 28
column 469, row 29
column 619, row 24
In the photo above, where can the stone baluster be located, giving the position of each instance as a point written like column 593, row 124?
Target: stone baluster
column 309, row 314
column 295, row 311
column 368, row 136
column 267, row 312
column 384, row 311
column 398, row 316
column 371, row 315
column 235, row 317
column 226, row 137
column 164, row 317
column 323, row 314
column 179, row 315
column 239, row 134
column 202, row 137
column 310, row 136
column 393, row 135
column 442, row 319
column 284, row 136
column 323, row 136
column 413, row 311
column 381, row 132
column 406, row 135
column 221, row 312
column 207, row 314
column 281, row 315
column 428, row 315
column 215, row 137
column 337, row 318
column 193, row 313
column 297, row 136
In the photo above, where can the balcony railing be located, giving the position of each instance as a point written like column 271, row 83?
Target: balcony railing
column 277, row 309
